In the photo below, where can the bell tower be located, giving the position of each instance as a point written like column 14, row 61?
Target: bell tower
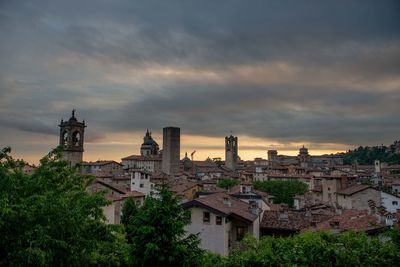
column 71, row 139
column 231, row 152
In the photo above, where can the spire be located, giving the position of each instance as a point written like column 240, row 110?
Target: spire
column 73, row 113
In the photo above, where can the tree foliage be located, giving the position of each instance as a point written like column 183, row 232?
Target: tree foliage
column 284, row 191
column 48, row 219
column 227, row 183
column 157, row 236
column 367, row 155
column 312, row 249
column 129, row 210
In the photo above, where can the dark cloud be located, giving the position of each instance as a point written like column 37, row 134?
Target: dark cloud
column 28, row 124
column 285, row 70
column 280, row 113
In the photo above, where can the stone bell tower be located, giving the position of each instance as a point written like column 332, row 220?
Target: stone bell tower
column 231, row 152
column 71, row 139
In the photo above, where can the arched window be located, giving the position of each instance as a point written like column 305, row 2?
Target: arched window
column 76, row 137
column 64, row 139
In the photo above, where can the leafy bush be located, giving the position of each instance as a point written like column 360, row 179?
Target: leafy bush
column 227, row 183
column 283, row 191
column 316, row 249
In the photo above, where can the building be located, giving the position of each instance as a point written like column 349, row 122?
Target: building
column 28, row 169
column 357, row 196
column 140, row 181
column 171, row 150
column 231, row 152
column 103, row 168
column 285, row 222
column 116, row 196
column 71, row 139
column 351, row 220
column 390, row 202
column 222, row 221
column 185, row 188
column 146, row 163
column 149, row 146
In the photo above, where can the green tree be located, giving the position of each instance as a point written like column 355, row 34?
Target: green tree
column 227, row 183
column 129, row 210
column 157, row 236
column 315, row 249
column 48, row 218
column 284, row 191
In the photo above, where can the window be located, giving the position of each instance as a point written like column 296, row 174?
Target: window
column 141, row 185
column 206, row 217
column 395, row 203
column 218, row 220
column 240, row 232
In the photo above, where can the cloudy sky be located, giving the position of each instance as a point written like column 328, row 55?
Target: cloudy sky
column 278, row 74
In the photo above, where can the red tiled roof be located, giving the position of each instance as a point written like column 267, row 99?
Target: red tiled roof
column 216, row 202
column 353, row 189
column 134, row 194
column 142, row 158
column 100, row 163
column 354, row 220
column 181, row 186
column 284, row 176
column 290, row 220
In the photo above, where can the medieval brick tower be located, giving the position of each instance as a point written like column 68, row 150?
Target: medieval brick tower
column 171, row 150
column 71, row 139
column 231, row 152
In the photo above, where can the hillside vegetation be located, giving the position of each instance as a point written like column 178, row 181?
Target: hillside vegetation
column 367, row 155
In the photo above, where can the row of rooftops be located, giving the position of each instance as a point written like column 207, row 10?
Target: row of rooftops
column 328, row 219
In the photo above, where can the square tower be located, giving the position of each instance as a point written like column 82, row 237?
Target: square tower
column 71, row 139
column 171, row 150
column 231, row 152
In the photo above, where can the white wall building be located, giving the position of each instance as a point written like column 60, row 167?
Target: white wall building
column 390, row 202
column 140, row 181
column 222, row 221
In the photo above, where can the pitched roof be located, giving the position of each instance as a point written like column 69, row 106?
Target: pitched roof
column 100, row 163
column 181, row 186
column 217, row 203
column 354, row 220
column 143, row 158
column 290, row 220
column 353, row 189
column 113, row 188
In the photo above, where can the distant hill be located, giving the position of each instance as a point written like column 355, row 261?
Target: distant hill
column 367, row 155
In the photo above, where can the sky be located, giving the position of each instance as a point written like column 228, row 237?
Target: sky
column 277, row 74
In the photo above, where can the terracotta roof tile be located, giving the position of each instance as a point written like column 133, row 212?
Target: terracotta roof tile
column 353, row 189
column 354, row 220
column 219, row 202
column 290, row 220
column 142, row 158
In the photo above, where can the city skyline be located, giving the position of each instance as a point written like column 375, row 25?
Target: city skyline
column 278, row 74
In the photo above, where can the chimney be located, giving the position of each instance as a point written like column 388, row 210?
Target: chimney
column 254, row 208
column 227, row 202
